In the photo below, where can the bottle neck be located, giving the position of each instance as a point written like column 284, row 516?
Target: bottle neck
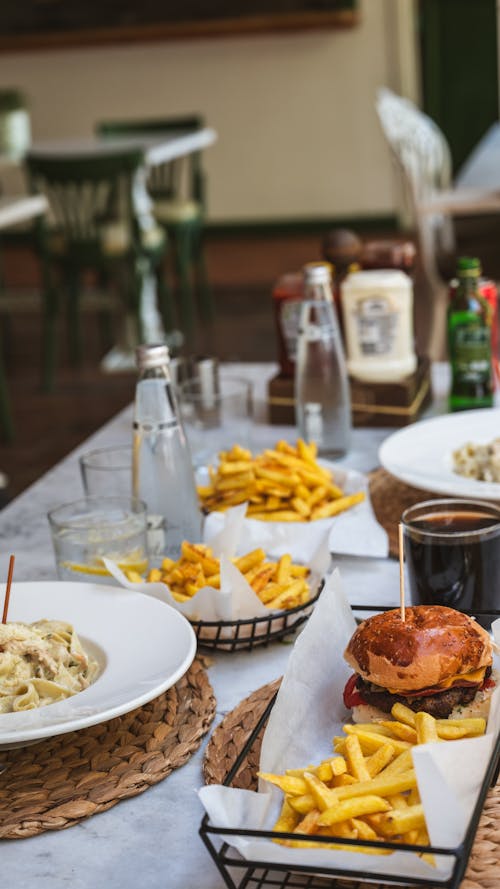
column 320, row 292
column 155, row 402
column 160, row 372
column 468, row 284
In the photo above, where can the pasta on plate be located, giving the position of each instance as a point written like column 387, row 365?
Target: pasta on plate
column 41, row 663
column 479, row 461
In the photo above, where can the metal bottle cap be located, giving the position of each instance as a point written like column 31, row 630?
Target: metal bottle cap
column 151, row 355
column 469, row 267
column 317, row 273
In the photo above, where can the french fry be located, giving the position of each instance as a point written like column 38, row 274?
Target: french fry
column 288, row 820
column 322, row 795
column 400, row 821
column 279, row 585
column 371, row 741
column 370, row 790
column 302, row 804
column 284, row 484
column 401, row 730
column 340, row 505
column 475, row 725
column 352, row 808
column 401, row 763
column 426, row 729
column 283, row 568
column 355, row 759
column 380, row 759
column 403, row 714
column 250, row 560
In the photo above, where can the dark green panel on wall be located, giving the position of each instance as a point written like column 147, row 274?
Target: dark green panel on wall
column 460, row 69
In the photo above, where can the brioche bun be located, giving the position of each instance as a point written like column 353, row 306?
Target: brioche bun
column 431, row 645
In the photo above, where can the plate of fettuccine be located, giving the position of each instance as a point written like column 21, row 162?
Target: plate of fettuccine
column 76, row 654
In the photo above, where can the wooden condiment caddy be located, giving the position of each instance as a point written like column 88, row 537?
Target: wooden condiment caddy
column 373, row 404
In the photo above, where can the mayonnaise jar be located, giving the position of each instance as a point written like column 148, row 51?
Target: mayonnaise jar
column 377, row 310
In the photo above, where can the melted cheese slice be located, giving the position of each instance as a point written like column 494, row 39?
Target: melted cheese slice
column 475, row 676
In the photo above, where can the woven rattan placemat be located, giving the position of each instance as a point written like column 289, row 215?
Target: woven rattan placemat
column 231, row 735
column 59, row 781
column 390, row 498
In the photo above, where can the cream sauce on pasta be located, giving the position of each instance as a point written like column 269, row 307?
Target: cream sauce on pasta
column 41, row 663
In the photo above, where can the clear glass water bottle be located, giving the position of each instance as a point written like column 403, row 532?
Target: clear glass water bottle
column 322, row 397
column 162, row 470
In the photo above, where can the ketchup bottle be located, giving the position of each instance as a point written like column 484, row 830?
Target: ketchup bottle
column 288, row 293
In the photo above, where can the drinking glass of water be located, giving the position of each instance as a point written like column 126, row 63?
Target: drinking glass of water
column 89, row 530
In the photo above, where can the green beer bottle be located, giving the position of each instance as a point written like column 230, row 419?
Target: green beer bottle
column 469, row 341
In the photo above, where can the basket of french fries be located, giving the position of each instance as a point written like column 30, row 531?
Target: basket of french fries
column 396, row 803
column 234, row 597
column 292, row 500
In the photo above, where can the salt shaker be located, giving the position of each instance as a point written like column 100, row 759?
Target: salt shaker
column 322, row 397
column 162, row 470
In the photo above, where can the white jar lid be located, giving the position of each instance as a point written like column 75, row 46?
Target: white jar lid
column 372, row 279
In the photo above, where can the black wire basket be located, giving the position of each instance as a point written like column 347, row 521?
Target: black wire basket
column 240, row 873
column 241, row 635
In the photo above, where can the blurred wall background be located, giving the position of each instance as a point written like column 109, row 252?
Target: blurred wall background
column 298, row 137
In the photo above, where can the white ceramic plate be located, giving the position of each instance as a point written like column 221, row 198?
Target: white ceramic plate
column 421, row 455
column 143, row 647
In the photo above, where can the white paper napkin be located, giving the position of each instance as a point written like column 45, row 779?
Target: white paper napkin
column 307, row 714
column 235, row 600
column 354, row 532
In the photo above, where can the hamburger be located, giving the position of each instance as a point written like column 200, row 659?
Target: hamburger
column 437, row 660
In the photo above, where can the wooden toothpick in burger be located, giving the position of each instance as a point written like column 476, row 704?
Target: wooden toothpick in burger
column 401, row 573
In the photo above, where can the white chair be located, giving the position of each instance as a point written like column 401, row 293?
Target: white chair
column 424, row 158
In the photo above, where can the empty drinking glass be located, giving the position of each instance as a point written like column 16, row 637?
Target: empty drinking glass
column 214, row 419
column 107, row 472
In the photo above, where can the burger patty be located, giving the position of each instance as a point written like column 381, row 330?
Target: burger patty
column 439, row 704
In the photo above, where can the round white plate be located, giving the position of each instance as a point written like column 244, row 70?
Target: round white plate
column 421, row 455
column 143, row 647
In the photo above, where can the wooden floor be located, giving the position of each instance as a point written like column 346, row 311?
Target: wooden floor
column 49, row 426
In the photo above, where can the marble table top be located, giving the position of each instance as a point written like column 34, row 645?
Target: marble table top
column 152, row 840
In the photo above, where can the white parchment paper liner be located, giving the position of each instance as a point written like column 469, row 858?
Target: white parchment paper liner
column 307, row 714
column 236, row 600
column 354, row 532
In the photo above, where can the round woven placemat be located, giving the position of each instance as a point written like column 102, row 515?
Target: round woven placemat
column 57, row 782
column 390, row 498
column 231, row 735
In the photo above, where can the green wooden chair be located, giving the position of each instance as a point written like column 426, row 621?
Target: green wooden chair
column 93, row 225
column 179, row 196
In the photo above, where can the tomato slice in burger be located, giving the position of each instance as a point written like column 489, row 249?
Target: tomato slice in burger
column 352, row 697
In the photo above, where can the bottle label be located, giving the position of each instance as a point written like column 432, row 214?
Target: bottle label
column 313, row 422
column 376, row 326
column 290, row 319
column 471, row 353
column 156, row 535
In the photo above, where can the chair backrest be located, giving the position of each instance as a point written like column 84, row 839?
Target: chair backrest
column 86, row 194
column 423, row 155
column 418, row 144
column 178, row 178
